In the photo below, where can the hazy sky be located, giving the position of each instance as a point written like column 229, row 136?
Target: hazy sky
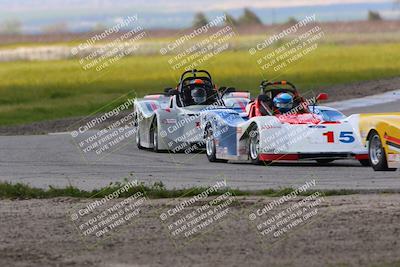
column 82, row 15
column 166, row 5
column 283, row 3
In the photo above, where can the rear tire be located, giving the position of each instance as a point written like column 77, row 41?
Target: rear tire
column 254, row 146
column 137, row 138
column 211, row 149
column 377, row 154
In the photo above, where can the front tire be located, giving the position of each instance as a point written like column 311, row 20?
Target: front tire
column 254, row 146
column 154, row 136
column 324, row 161
column 137, row 138
column 365, row 162
column 211, row 149
column 377, row 155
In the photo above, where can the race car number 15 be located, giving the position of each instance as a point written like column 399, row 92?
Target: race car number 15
column 344, row 137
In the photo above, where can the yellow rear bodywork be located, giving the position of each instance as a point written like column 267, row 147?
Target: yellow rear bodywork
column 387, row 125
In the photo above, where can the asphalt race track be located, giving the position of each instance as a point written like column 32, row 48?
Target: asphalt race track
column 55, row 160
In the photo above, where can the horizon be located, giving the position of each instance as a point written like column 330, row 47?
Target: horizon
column 81, row 17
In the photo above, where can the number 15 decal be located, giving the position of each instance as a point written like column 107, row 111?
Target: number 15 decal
column 345, row 137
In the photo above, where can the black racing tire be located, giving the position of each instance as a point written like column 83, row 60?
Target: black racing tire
column 377, row 154
column 365, row 162
column 324, row 161
column 254, row 145
column 211, row 150
column 137, row 138
column 154, row 136
column 135, row 120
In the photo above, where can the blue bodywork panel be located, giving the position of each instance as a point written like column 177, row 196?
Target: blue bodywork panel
column 225, row 124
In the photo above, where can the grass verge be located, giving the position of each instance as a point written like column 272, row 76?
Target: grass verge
column 37, row 91
column 157, row 190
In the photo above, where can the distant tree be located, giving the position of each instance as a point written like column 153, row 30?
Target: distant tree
column 199, row 20
column 292, row 20
column 396, row 4
column 230, row 20
column 249, row 18
column 55, row 28
column 11, row 27
column 374, row 16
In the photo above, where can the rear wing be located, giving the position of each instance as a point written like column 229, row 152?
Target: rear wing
column 150, row 103
column 158, row 97
column 236, row 95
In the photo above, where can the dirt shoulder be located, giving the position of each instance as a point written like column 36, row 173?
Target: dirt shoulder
column 336, row 93
column 354, row 230
column 360, row 89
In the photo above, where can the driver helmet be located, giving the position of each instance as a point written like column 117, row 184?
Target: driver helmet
column 283, row 102
column 199, row 95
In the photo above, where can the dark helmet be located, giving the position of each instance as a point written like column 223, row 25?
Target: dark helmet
column 199, row 95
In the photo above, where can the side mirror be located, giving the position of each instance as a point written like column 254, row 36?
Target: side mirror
column 322, row 97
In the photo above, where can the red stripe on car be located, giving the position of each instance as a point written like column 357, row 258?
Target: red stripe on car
column 392, row 139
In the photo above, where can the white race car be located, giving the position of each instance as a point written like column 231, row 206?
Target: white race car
column 306, row 132
column 171, row 121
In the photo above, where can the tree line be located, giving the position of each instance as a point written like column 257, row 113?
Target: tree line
column 14, row 26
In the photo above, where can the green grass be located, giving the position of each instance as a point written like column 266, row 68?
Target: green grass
column 157, row 190
column 35, row 91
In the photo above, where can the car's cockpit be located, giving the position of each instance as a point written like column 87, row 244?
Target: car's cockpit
column 196, row 89
column 263, row 105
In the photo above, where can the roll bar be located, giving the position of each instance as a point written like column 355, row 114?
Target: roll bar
column 194, row 72
column 264, row 84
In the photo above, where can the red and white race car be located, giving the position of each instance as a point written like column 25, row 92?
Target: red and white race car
column 306, row 132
